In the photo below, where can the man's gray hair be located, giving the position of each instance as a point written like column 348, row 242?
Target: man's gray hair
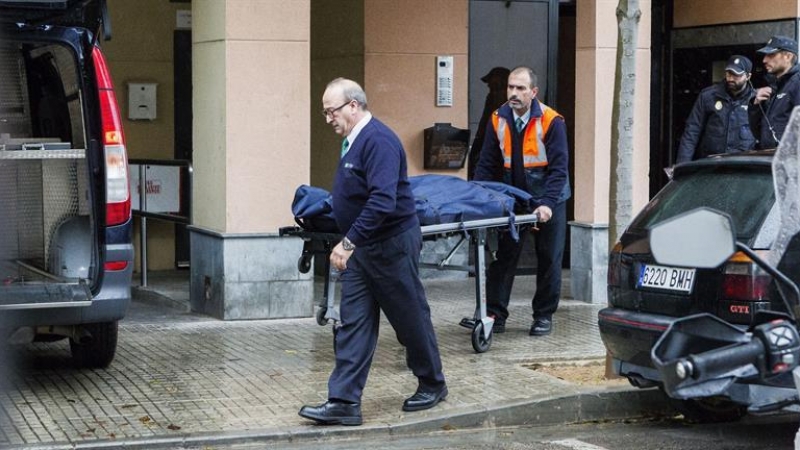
column 351, row 91
column 534, row 78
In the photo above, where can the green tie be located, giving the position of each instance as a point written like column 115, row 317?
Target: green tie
column 520, row 124
column 345, row 145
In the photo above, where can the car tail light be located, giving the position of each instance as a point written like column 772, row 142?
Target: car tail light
column 118, row 198
column 614, row 260
column 744, row 280
column 114, row 266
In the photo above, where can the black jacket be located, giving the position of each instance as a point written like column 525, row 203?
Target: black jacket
column 785, row 96
column 718, row 123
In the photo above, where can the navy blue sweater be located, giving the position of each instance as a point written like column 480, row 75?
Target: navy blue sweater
column 372, row 199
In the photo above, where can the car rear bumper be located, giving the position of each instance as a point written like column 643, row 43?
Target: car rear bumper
column 628, row 336
column 110, row 303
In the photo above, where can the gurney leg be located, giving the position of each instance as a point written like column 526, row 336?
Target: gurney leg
column 482, row 333
column 332, row 311
column 446, row 260
column 327, row 309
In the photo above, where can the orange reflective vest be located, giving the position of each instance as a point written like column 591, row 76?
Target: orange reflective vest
column 534, row 153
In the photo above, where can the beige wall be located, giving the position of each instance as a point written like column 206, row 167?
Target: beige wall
column 402, row 40
column 595, row 56
column 389, row 47
column 689, row 13
column 337, row 50
column 141, row 51
column 251, row 112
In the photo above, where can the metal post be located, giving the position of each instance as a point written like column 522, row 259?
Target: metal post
column 143, row 222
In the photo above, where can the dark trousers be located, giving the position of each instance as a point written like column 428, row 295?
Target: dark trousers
column 549, row 246
column 384, row 276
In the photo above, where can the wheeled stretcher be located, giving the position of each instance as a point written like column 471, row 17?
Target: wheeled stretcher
column 479, row 232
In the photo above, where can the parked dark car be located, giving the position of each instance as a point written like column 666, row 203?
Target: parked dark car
column 66, row 253
column 645, row 297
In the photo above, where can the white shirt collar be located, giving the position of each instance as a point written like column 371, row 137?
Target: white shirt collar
column 525, row 117
column 357, row 129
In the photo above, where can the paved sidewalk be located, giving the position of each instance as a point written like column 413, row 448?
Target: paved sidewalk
column 184, row 379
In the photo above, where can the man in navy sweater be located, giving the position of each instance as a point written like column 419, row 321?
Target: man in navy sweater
column 379, row 259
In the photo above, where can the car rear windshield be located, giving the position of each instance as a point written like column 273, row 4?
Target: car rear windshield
column 746, row 195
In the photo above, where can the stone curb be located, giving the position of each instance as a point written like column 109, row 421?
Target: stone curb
column 607, row 404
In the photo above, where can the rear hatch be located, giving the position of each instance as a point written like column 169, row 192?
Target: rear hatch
column 87, row 14
column 739, row 186
column 50, row 246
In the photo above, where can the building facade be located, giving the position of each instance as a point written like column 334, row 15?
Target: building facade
column 257, row 70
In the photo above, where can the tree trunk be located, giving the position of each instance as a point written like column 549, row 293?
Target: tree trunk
column 621, row 192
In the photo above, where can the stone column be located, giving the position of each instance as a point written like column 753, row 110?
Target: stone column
column 251, row 81
column 594, row 89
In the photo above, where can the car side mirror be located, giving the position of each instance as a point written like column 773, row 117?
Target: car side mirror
column 702, row 238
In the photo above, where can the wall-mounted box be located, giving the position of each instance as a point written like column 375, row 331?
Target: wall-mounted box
column 142, row 101
column 445, row 147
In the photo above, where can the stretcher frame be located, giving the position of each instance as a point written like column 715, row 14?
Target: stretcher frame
column 479, row 232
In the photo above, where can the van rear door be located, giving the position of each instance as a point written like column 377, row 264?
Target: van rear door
column 45, row 147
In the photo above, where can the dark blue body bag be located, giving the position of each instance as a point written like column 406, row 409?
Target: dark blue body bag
column 447, row 199
column 312, row 208
column 438, row 199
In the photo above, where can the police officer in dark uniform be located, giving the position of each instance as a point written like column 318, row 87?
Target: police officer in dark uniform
column 773, row 104
column 719, row 120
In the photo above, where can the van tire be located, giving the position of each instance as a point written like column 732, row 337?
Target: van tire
column 99, row 351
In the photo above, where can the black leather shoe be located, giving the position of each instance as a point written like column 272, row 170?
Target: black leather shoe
column 499, row 326
column 333, row 413
column 541, row 327
column 424, row 399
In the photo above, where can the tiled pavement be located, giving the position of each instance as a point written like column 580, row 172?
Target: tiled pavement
column 179, row 374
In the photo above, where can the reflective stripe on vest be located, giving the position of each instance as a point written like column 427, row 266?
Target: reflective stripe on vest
column 534, row 152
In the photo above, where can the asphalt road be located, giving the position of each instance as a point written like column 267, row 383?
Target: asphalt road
column 763, row 433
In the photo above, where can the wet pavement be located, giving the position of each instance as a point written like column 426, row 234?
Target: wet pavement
column 180, row 378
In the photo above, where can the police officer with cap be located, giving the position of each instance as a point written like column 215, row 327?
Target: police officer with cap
column 719, row 122
column 773, row 104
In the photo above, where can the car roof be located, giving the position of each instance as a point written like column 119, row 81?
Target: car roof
column 755, row 160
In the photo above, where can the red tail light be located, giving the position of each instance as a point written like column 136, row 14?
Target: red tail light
column 118, row 198
column 115, row 265
column 614, row 265
column 744, row 280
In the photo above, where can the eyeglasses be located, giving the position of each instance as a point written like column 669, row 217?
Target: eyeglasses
column 330, row 111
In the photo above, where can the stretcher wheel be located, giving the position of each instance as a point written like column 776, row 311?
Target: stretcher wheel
column 304, row 264
column 321, row 320
column 479, row 343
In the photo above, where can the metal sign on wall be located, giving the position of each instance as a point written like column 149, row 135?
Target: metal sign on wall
column 162, row 188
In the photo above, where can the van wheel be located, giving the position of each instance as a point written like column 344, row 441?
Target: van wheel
column 98, row 351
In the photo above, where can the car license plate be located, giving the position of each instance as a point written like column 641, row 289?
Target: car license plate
column 667, row 278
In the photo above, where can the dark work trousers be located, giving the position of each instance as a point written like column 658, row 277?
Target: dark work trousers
column 384, row 276
column 549, row 246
